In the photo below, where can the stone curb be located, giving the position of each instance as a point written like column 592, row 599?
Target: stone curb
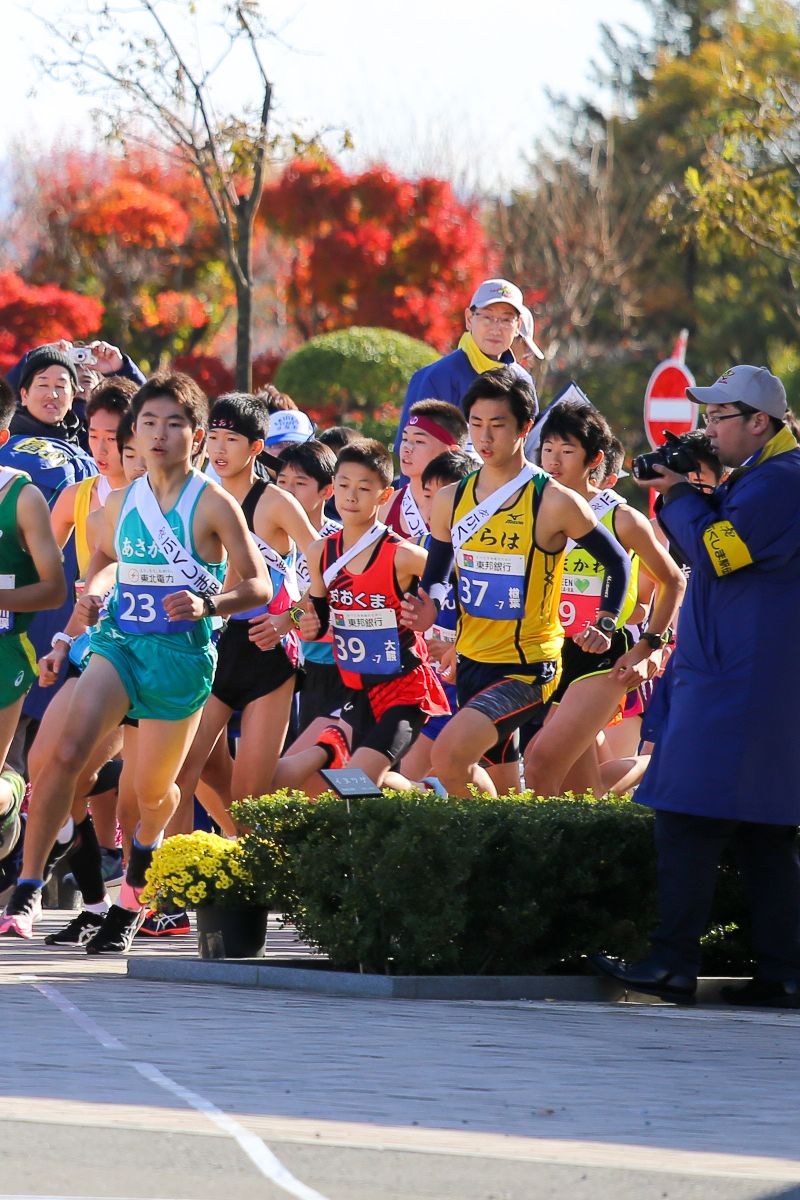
column 289, row 977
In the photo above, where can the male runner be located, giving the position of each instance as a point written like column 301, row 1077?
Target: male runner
column 151, row 655
column 508, row 523
column 433, row 426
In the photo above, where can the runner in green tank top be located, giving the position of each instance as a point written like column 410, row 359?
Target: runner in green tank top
column 151, row 656
column 31, row 579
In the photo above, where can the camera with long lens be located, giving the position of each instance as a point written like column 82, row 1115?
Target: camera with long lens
column 676, row 455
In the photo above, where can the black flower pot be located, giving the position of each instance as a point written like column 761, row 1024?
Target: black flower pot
column 231, row 932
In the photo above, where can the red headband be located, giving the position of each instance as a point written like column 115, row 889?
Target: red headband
column 437, row 431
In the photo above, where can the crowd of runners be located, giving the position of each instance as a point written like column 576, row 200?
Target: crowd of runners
column 220, row 601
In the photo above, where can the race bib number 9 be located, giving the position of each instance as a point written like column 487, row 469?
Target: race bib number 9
column 367, row 643
column 491, row 586
column 141, row 592
column 580, row 602
column 7, row 618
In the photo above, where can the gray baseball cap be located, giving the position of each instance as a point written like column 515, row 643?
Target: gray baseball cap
column 756, row 387
column 498, row 291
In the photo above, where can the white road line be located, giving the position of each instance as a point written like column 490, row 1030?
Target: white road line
column 256, row 1150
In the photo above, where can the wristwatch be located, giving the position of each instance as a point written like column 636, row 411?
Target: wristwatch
column 209, row 606
column 296, row 612
column 61, row 637
column 658, row 640
column 606, row 625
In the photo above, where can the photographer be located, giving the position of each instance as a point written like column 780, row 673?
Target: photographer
column 726, row 764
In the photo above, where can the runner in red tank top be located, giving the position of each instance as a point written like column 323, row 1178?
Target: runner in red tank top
column 358, row 578
column 433, row 426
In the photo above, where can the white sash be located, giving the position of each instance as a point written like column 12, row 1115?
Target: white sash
column 6, row 475
column 195, row 576
column 102, row 489
column 600, row 504
column 415, row 522
column 367, row 539
column 477, row 517
column 301, row 566
column 284, row 568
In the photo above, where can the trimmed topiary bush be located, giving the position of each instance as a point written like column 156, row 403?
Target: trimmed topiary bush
column 363, row 372
column 412, row 883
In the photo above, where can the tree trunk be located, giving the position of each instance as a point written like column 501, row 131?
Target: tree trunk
column 244, row 304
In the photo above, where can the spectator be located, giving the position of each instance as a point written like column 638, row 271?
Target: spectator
column 725, row 761
column 493, row 321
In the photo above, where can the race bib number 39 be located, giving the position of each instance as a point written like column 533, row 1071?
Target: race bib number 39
column 491, row 586
column 7, row 618
column 141, row 592
column 367, row 643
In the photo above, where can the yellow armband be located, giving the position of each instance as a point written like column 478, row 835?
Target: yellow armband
column 727, row 551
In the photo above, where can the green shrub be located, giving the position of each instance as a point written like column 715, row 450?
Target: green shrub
column 409, row 883
column 361, row 373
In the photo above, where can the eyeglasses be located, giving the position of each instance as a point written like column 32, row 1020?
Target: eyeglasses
column 498, row 322
column 711, row 422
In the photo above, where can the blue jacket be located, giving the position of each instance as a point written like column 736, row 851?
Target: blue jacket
column 448, row 379
column 728, row 746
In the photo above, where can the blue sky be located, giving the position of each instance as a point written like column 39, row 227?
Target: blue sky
column 428, row 85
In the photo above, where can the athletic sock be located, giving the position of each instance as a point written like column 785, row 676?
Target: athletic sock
column 151, row 846
column 39, row 883
column 86, row 863
column 66, row 832
column 98, row 909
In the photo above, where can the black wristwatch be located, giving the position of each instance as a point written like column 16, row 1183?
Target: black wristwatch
column 209, row 606
column 606, row 625
column 658, row 640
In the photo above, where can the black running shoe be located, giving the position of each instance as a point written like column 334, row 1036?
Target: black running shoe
column 77, row 932
column 117, row 931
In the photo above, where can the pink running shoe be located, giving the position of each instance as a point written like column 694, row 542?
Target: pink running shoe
column 22, row 911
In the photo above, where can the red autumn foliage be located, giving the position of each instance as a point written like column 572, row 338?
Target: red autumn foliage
column 208, row 371
column 375, row 249
column 31, row 316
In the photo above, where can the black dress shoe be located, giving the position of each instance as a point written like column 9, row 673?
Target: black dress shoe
column 648, row 976
column 763, row 993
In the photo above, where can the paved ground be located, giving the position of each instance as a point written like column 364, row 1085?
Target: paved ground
column 114, row 1087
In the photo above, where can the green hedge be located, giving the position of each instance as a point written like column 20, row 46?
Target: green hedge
column 417, row 884
column 361, row 369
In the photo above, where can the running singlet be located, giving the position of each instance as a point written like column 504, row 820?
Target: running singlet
column 369, row 643
column 582, row 584
column 508, row 589
column 404, row 505
column 16, row 565
column 145, row 577
column 279, row 566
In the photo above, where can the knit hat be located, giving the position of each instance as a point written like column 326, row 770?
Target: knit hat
column 44, row 357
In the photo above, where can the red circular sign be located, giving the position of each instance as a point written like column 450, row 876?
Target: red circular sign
column 666, row 405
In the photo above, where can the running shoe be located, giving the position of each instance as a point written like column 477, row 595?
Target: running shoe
column 22, row 911
column 158, row 924
column 117, row 932
column 332, row 738
column 77, row 932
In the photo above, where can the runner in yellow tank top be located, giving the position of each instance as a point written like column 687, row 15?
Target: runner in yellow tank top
column 573, row 443
column 509, row 639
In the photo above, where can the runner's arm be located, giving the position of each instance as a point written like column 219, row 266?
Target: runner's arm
column 420, row 611
column 36, row 534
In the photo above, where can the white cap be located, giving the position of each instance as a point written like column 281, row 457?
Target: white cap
column 526, row 332
column 289, row 425
column 498, row 291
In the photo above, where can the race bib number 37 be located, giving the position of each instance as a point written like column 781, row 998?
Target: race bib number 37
column 491, row 586
column 141, row 592
column 367, row 643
